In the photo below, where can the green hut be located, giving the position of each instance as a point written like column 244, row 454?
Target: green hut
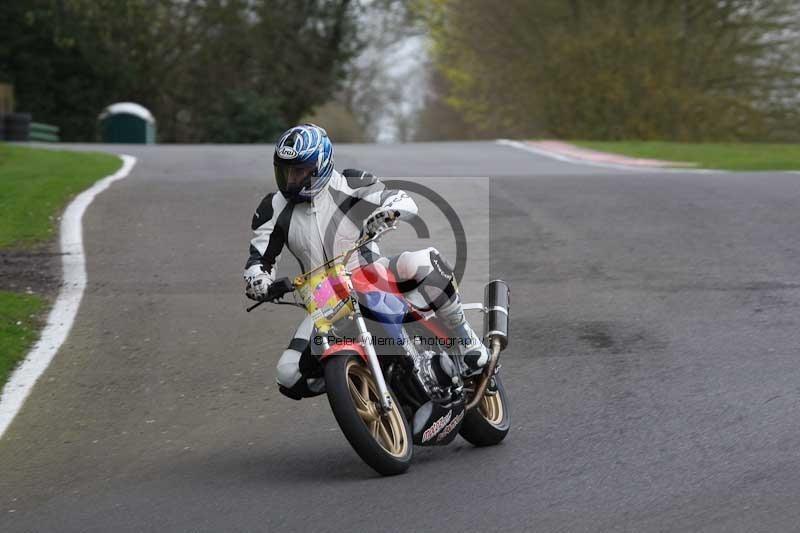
column 128, row 123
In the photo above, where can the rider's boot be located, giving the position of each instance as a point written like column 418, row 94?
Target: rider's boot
column 471, row 349
column 303, row 375
column 304, row 388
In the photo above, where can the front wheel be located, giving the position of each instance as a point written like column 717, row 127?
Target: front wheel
column 488, row 423
column 382, row 441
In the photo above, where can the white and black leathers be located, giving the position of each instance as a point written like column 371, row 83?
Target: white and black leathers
column 318, row 230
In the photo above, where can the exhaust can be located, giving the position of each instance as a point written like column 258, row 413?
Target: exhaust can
column 496, row 300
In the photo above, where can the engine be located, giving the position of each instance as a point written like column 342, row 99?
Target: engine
column 436, row 373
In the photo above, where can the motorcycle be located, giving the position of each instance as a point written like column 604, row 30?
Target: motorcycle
column 412, row 392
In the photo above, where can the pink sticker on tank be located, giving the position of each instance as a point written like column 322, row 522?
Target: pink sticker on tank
column 324, row 293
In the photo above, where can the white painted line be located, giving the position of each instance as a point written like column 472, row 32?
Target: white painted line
column 62, row 315
column 575, row 161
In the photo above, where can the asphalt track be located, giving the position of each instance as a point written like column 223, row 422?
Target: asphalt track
column 653, row 365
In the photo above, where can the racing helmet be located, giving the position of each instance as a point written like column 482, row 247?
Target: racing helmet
column 303, row 162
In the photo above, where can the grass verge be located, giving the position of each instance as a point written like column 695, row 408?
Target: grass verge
column 35, row 186
column 19, row 328
column 724, row 156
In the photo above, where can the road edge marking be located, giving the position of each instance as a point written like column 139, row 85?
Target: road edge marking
column 62, row 315
column 576, row 161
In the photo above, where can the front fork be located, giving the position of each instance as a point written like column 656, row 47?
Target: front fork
column 374, row 365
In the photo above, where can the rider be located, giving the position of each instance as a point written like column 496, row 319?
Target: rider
column 320, row 213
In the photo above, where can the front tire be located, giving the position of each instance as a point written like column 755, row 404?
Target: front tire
column 488, row 423
column 383, row 442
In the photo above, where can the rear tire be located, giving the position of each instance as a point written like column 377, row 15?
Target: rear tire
column 488, row 423
column 384, row 443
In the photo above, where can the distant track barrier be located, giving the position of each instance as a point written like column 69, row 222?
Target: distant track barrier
column 43, row 132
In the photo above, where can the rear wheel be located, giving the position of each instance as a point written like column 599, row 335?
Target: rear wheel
column 382, row 441
column 488, row 423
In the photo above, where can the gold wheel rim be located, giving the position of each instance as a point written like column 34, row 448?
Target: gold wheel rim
column 388, row 431
column 491, row 408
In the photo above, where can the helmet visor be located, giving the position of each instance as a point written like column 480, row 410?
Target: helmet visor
column 292, row 179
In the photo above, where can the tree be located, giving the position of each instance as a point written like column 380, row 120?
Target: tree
column 616, row 69
column 209, row 70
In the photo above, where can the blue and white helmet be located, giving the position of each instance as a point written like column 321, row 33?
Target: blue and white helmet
column 303, row 162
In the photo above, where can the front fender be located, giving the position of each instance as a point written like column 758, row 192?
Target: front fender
column 345, row 347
